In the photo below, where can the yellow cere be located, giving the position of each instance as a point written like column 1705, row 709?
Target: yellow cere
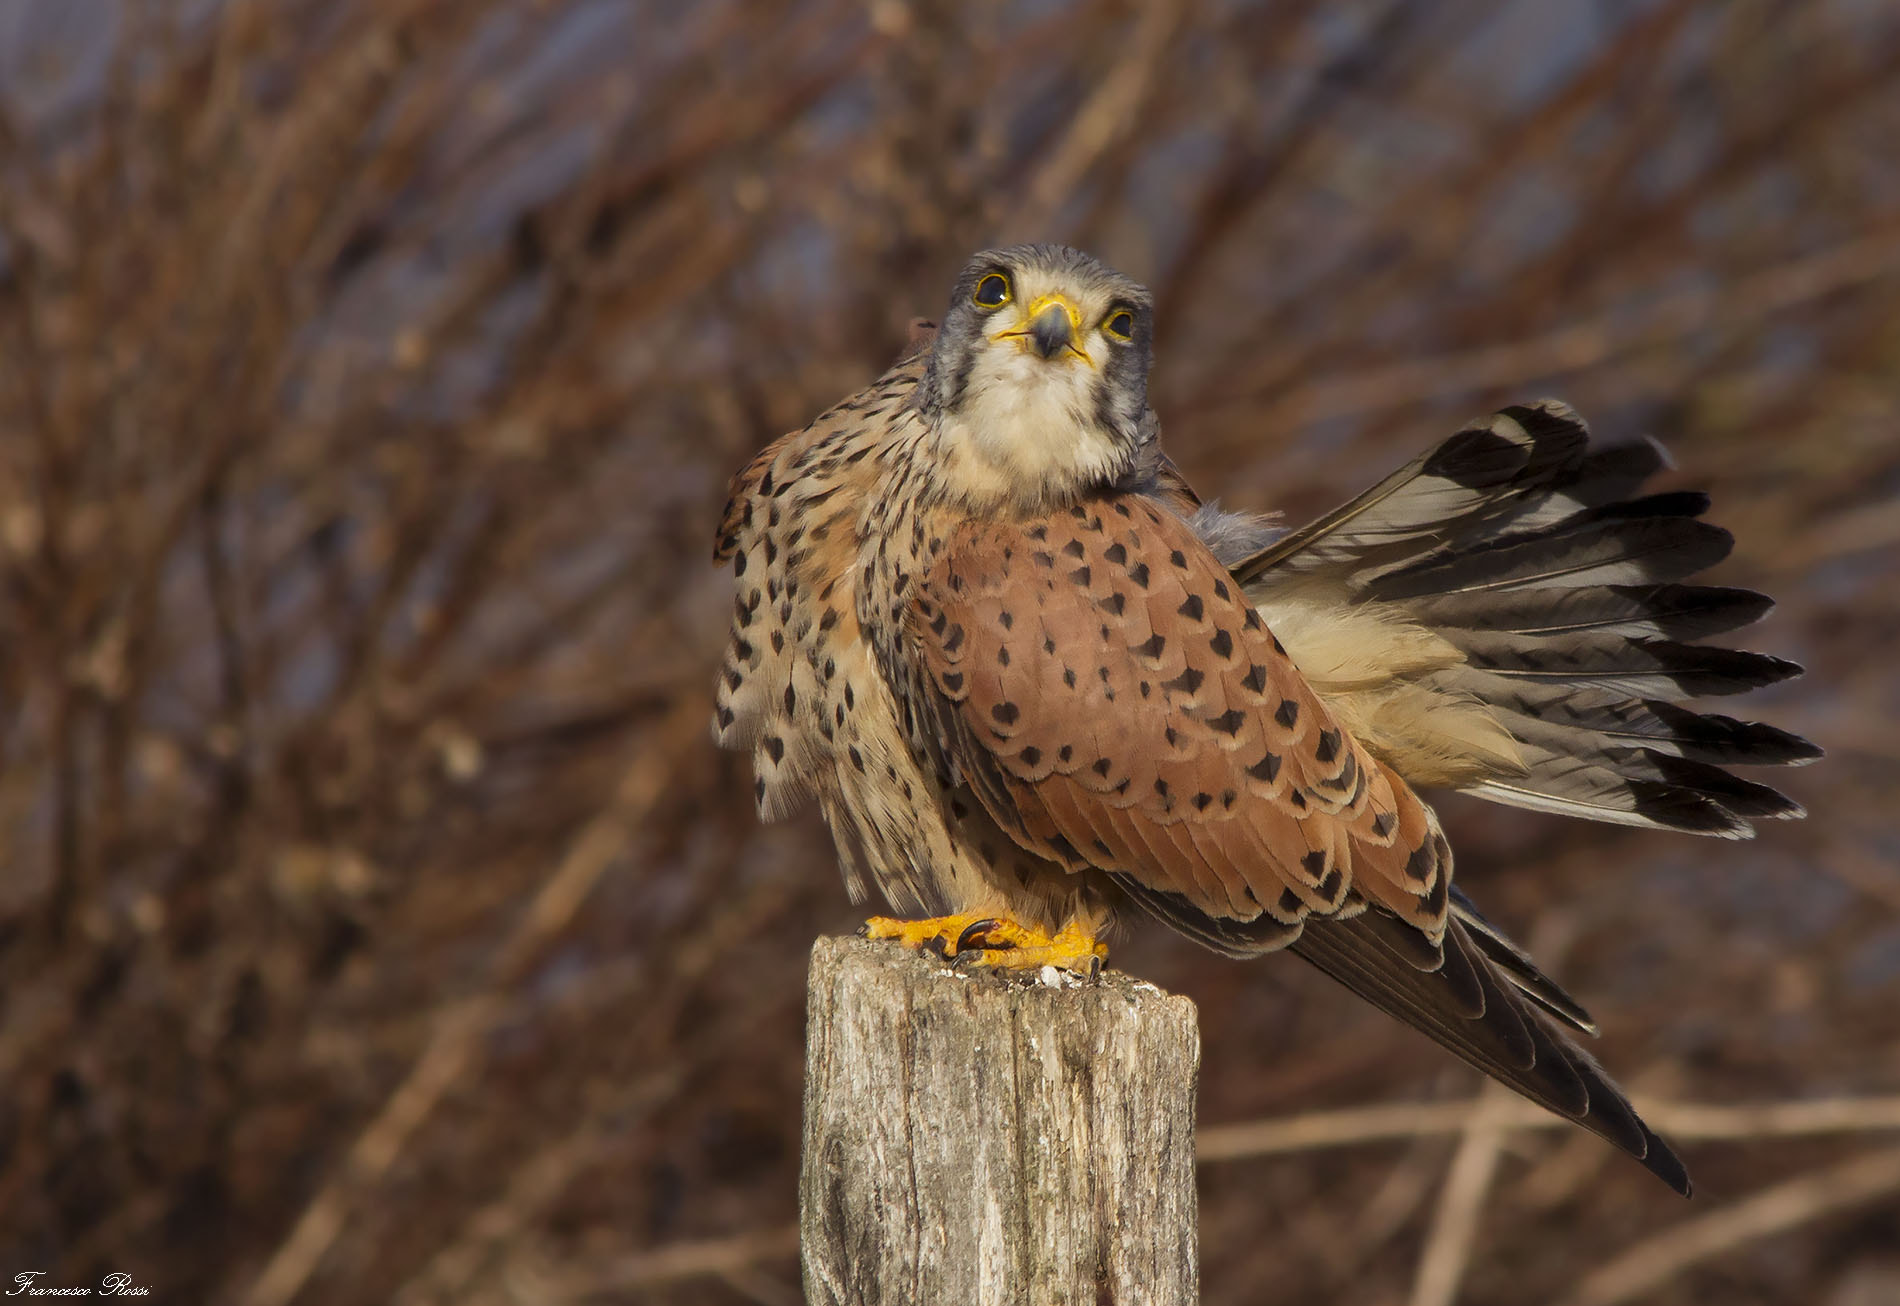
column 1035, row 310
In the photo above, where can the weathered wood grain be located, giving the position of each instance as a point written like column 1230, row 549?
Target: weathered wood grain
column 972, row 1139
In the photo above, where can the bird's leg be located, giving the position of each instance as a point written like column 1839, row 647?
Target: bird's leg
column 1005, row 945
column 939, row 934
column 995, row 943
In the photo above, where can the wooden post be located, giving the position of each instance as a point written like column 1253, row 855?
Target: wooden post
column 974, row 1139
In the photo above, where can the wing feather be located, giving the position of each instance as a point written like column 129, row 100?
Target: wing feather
column 1140, row 714
column 1505, row 616
column 1129, row 712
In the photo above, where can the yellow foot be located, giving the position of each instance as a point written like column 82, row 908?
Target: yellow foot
column 995, row 943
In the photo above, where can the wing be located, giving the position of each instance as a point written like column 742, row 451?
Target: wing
column 1116, row 703
column 1503, row 616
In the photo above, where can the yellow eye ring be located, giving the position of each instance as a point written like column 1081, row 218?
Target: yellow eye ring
column 992, row 291
column 1120, row 324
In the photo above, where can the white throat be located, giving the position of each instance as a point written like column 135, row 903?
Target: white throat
column 1027, row 430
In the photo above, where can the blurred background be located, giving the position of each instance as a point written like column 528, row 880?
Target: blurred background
column 377, row 922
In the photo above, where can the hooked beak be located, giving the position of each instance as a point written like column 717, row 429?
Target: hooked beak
column 1049, row 328
column 1050, row 331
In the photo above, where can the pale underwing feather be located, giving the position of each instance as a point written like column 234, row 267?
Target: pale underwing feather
column 1528, row 645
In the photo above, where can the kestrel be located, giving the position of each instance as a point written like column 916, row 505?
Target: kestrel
column 1031, row 680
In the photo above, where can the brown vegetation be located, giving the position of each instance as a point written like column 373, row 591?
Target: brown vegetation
column 377, row 922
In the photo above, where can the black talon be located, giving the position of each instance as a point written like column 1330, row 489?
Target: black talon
column 974, row 932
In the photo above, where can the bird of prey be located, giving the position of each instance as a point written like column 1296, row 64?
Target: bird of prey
column 1031, row 680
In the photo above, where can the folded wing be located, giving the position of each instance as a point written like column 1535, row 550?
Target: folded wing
column 1117, row 704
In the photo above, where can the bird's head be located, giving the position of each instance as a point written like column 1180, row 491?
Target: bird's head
column 1038, row 378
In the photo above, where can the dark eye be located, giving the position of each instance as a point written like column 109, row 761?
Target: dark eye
column 992, row 291
column 1120, row 324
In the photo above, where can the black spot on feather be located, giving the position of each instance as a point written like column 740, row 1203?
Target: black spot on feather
column 1328, row 747
column 1186, row 683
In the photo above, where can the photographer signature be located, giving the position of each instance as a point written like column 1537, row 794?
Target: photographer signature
column 114, row 1285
